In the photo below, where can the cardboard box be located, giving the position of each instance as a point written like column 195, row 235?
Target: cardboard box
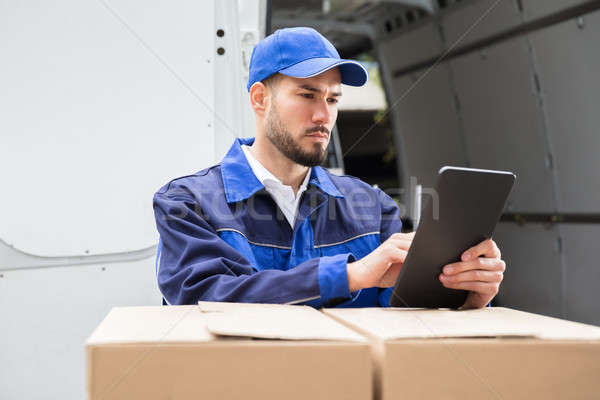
column 210, row 351
column 490, row 353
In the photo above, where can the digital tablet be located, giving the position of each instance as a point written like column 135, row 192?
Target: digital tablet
column 461, row 211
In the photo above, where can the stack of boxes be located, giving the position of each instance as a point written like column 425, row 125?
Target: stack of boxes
column 252, row 351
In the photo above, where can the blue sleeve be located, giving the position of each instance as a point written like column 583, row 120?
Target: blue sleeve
column 390, row 224
column 333, row 278
column 195, row 264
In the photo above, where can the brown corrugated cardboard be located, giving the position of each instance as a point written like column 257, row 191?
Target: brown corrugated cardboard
column 273, row 321
column 491, row 353
column 208, row 352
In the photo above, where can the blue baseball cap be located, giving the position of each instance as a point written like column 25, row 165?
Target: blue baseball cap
column 301, row 53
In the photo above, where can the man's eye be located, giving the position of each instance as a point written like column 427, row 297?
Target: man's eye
column 332, row 100
column 307, row 95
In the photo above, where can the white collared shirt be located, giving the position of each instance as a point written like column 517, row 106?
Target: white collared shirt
column 282, row 194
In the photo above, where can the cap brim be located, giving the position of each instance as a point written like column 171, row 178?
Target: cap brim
column 353, row 73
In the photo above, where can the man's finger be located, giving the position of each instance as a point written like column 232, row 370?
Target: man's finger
column 403, row 236
column 488, row 288
column 489, row 264
column 401, row 243
column 398, row 256
column 487, row 248
column 474, row 275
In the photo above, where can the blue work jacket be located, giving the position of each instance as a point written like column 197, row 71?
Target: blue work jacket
column 223, row 238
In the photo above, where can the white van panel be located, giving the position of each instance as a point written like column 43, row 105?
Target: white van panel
column 102, row 103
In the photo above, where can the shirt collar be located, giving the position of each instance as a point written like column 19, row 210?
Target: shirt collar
column 259, row 170
column 240, row 182
column 264, row 175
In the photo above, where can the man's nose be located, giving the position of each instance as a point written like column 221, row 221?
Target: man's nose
column 322, row 113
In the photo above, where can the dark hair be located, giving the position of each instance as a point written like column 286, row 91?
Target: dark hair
column 272, row 81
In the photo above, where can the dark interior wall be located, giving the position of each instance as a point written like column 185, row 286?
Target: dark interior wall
column 518, row 93
column 368, row 148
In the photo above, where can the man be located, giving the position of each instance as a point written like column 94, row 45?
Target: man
column 268, row 225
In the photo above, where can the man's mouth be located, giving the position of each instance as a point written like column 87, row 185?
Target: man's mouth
column 318, row 136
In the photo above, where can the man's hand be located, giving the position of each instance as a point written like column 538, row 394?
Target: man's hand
column 480, row 275
column 380, row 267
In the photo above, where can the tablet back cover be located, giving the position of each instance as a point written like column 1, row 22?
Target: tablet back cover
column 462, row 212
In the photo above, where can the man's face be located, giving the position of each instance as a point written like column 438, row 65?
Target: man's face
column 301, row 115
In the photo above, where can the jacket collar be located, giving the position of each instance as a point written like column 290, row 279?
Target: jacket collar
column 240, row 182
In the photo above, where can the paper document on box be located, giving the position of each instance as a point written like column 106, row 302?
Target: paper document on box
column 268, row 321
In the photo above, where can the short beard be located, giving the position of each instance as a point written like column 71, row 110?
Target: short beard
column 283, row 140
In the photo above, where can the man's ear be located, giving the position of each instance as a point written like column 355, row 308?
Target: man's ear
column 259, row 97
